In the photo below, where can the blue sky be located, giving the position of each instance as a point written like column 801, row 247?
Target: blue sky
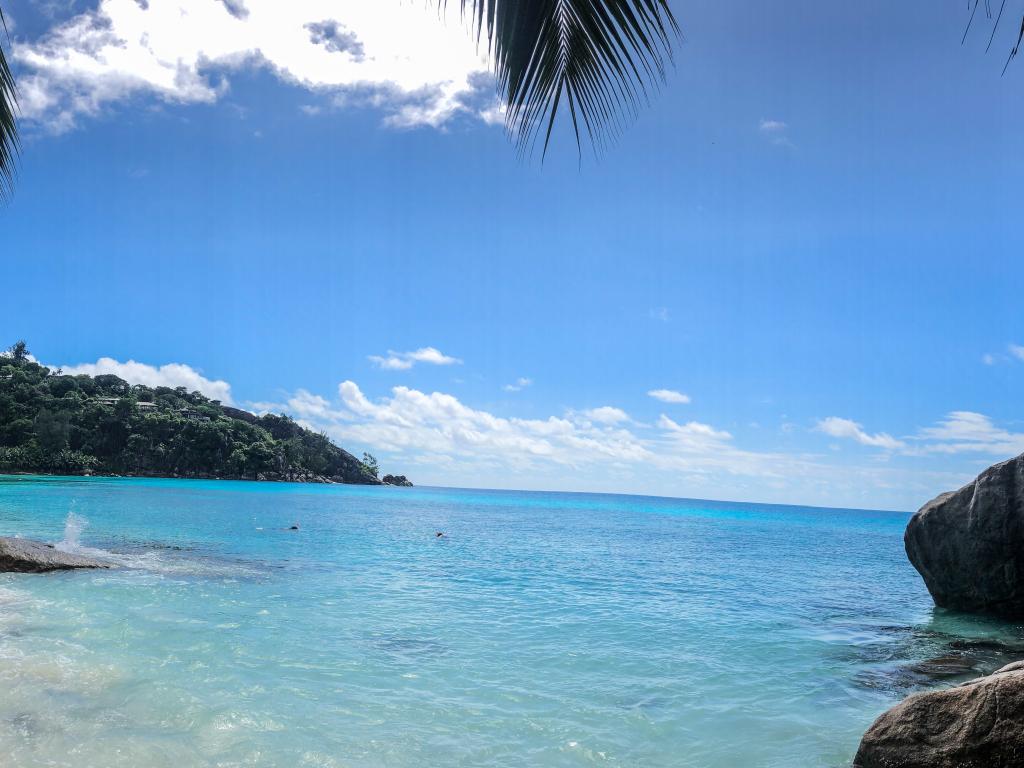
column 811, row 233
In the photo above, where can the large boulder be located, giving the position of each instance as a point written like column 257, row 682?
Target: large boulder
column 27, row 556
column 979, row 724
column 968, row 545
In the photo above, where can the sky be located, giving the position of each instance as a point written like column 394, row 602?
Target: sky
column 796, row 278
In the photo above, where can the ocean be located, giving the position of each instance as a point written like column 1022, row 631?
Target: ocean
column 542, row 629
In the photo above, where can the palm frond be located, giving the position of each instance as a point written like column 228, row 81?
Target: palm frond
column 598, row 59
column 973, row 6
column 8, row 124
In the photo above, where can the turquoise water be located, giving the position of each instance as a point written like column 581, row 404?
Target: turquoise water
column 542, row 630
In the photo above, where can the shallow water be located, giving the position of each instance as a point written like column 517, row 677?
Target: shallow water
column 541, row 630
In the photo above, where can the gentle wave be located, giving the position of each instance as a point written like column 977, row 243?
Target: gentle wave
column 543, row 630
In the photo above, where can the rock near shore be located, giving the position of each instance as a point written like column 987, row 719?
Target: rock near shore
column 968, row 545
column 979, row 724
column 27, row 556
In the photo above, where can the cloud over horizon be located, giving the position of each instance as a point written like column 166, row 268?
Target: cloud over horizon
column 605, row 448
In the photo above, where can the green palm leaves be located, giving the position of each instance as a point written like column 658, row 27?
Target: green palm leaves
column 596, row 58
column 8, row 126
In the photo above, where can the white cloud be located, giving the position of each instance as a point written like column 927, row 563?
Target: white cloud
column 606, row 414
column 441, row 424
column 847, row 428
column 669, row 396
column 988, row 359
column 1016, row 350
column 693, row 433
column 169, row 375
column 970, row 432
column 403, row 361
column 415, row 424
column 659, row 313
column 438, row 439
column 776, row 131
column 397, row 56
column 520, row 384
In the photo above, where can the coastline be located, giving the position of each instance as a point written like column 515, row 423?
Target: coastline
column 269, row 477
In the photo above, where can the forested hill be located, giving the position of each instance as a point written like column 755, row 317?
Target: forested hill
column 54, row 423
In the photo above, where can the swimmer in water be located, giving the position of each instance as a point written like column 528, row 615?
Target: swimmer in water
column 438, row 534
column 294, row 527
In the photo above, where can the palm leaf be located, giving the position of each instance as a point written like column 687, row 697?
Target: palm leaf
column 973, row 5
column 8, row 125
column 598, row 59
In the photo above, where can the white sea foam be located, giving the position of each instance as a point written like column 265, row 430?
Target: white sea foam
column 73, row 527
column 152, row 561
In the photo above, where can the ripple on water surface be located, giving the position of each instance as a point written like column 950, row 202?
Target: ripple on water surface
column 542, row 630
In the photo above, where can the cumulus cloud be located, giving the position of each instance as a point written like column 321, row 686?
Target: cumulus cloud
column 169, row 375
column 606, row 414
column 451, row 442
column 403, row 361
column 970, row 432
column 520, row 384
column 669, row 396
column 398, row 56
column 847, row 428
column 417, row 424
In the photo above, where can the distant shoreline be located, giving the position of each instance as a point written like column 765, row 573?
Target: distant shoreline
column 262, row 478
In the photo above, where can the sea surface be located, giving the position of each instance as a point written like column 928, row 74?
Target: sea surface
column 543, row 629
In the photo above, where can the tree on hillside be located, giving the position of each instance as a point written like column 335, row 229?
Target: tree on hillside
column 50, row 422
column 18, row 352
column 370, row 463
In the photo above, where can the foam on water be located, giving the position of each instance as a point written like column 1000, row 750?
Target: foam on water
column 73, row 527
column 545, row 630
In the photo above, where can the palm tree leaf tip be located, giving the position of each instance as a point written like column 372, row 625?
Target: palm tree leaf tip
column 599, row 58
column 8, row 123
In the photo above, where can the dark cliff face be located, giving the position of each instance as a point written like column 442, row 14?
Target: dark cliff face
column 968, row 545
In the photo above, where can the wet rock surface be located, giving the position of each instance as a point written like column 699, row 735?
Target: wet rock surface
column 978, row 724
column 27, row 556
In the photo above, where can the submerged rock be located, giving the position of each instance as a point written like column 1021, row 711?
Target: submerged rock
column 968, row 545
column 27, row 556
column 978, row 724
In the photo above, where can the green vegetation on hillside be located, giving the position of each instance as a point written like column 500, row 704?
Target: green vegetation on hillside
column 54, row 423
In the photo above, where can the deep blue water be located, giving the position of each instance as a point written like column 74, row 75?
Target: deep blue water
column 543, row 629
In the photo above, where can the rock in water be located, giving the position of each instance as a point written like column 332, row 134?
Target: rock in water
column 979, row 724
column 26, row 556
column 968, row 545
